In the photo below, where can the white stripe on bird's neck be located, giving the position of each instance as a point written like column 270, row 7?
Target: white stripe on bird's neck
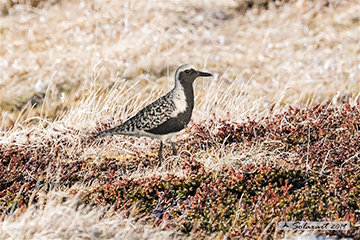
column 179, row 98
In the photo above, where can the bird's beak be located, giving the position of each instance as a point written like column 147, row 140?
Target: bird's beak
column 204, row 74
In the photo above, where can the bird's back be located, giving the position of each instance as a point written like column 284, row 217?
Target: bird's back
column 151, row 117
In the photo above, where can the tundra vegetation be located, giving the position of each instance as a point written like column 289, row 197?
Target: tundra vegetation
column 274, row 134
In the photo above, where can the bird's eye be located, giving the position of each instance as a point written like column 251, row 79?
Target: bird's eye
column 187, row 71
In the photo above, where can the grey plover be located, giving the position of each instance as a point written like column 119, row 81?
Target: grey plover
column 165, row 117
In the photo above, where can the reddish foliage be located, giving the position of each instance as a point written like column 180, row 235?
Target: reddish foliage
column 321, row 180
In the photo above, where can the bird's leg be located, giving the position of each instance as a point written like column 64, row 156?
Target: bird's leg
column 173, row 148
column 160, row 151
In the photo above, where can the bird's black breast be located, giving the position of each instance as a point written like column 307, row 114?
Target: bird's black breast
column 178, row 122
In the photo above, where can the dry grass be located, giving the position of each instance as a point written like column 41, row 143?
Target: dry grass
column 67, row 68
column 69, row 220
column 298, row 54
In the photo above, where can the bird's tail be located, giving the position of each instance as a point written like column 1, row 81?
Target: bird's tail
column 105, row 133
column 118, row 130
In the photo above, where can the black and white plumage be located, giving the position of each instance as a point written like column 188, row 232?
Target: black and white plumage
column 166, row 116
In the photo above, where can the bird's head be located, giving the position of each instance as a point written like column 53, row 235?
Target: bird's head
column 186, row 73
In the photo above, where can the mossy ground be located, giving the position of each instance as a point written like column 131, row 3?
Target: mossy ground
column 313, row 175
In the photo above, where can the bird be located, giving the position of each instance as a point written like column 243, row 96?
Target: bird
column 166, row 116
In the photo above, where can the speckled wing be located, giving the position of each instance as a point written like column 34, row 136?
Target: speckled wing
column 149, row 117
